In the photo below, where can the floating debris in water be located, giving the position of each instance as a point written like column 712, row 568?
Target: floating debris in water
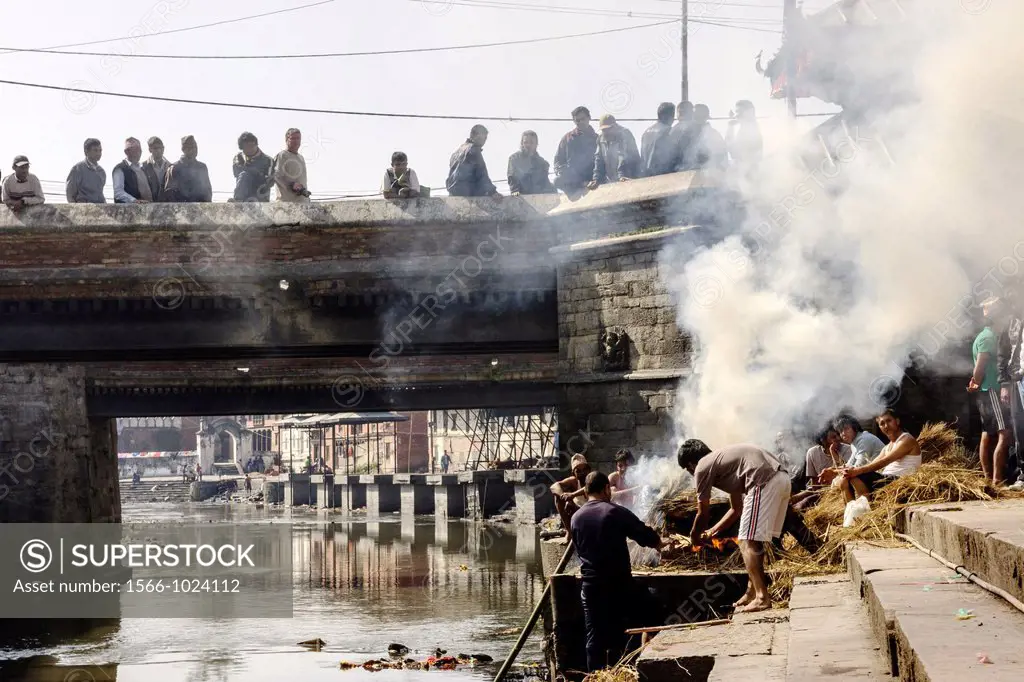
column 314, row 644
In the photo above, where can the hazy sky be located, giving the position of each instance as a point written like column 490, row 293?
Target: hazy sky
column 626, row 73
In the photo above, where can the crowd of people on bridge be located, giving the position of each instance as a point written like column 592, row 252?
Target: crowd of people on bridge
column 682, row 138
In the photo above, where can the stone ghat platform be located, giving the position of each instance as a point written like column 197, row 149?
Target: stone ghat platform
column 466, row 494
column 898, row 613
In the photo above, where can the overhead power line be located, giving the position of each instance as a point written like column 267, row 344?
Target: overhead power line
column 412, row 50
column 223, row 22
column 304, row 110
column 593, row 11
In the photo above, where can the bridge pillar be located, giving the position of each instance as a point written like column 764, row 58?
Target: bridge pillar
column 449, row 496
column 328, row 495
column 416, row 496
column 532, row 489
column 352, row 494
column 619, row 396
column 56, row 464
column 382, row 495
column 487, row 493
column 297, row 490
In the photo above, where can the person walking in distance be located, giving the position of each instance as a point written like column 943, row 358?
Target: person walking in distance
column 290, row 170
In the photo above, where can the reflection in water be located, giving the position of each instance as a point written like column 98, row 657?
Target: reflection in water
column 357, row 585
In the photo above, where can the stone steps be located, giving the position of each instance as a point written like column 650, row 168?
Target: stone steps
column 983, row 537
column 913, row 602
column 165, row 491
column 829, row 634
column 751, row 647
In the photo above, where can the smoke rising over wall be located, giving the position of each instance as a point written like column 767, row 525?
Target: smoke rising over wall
column 821, row 300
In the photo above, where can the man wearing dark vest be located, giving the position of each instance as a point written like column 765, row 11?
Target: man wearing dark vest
column 131, row 184
column 188, row 180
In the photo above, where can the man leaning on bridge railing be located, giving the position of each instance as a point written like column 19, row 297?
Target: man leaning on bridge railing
column 21, row 188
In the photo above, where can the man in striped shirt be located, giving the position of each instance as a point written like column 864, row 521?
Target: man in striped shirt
column 21, row 188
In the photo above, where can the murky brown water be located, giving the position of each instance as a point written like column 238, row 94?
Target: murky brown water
column 357, row 585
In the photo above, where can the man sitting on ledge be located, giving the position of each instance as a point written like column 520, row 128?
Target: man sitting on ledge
column 569, row 490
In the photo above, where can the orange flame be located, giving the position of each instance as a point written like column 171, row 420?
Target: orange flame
column 718, row 544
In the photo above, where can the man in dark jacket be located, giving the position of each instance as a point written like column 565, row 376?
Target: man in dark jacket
column 467, row 172
column 188, row 180
column 682, row 133
column 574, row 160
column 707, row 146
column 617, row 158
column 599, row 532
column 254, row 170
column 657, row 150
column 527, row 171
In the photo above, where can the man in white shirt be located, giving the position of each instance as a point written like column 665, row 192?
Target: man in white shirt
column 290, row 170
column 400, row 181
column 21, row 188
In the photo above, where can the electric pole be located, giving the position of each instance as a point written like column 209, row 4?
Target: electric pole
column 684, row 48
column 788, row 13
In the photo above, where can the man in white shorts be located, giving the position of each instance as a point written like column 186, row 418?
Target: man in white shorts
column 759, row 491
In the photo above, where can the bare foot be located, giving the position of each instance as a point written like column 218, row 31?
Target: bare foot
column 744, row 600
column 754, row 606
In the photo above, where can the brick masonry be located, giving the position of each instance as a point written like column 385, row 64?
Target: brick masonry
column 57, row 465
column 617, row 284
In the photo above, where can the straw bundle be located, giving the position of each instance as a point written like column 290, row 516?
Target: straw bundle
column 617, row 673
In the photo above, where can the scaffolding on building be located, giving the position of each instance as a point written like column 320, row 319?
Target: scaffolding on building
column 508, row 438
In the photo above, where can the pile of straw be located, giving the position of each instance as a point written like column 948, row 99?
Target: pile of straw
column 949, row 475
column 622, row 672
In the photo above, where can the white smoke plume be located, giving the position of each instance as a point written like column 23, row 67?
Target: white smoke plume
column 822, row 299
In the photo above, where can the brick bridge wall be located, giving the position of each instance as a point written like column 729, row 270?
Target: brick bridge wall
column 617, row 284
column 57, row 465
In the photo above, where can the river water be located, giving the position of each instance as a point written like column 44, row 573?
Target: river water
column 358, row 586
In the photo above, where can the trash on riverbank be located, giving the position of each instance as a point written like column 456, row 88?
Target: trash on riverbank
column 313, row 644
column 431, row 662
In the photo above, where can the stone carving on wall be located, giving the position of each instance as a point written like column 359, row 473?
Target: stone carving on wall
column 615, row 350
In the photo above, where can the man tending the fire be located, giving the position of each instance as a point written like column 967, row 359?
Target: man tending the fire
column 759, row 491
